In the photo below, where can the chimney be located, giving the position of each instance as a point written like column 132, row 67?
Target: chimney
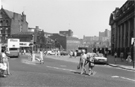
column 23, row 17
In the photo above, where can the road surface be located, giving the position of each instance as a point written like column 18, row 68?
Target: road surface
column 58, row 73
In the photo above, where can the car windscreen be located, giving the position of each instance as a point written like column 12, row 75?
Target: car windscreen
column 98, row 55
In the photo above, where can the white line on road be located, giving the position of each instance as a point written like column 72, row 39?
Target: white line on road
column 123, row 78
column 128, row 79
column 61, row 68
column 28, row 62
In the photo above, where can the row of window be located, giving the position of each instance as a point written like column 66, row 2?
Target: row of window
column 4, row 23
column 5, row 31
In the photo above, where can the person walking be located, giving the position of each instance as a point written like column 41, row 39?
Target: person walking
column 91, row 65
column 41, row 57
column 121, row 56
column 75, row 53
column 115, row 57
column 83, row 58
column 71, row 54
column 5, row 60
column 129, row 60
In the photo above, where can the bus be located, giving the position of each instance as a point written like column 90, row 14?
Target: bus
column 13, row 47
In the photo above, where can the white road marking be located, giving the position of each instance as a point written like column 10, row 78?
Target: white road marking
column 123, row 78
column 115, row 76
column 128, row 79
column 124, row 69
column 63, row 65
column 61, row 68
column 28, row 62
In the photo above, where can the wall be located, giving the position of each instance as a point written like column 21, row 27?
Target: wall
column 72, row 43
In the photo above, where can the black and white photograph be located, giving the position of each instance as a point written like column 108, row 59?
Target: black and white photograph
column 67, row 43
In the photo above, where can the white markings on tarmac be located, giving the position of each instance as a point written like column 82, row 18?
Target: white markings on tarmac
column 123, row 78
column 61, row 68
column 28, row 62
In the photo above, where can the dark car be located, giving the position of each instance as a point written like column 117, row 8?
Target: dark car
column 63, row 53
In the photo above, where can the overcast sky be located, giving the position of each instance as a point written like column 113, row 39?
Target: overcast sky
column 84, row 17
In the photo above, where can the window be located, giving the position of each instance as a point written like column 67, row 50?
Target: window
column 0, row 23
column 6, row 23
column 13, row 49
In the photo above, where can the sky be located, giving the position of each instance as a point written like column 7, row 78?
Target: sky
column 83, row 17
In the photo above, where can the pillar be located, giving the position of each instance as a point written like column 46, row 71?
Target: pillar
column 129, row 26
column 124, row 36
column 120, row 38
column 124, row 40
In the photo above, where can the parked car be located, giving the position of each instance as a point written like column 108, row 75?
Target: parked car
column 50, row 53
column 99, row 58
column 63, row 53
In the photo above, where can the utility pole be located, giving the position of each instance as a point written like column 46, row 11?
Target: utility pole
column 33, row 53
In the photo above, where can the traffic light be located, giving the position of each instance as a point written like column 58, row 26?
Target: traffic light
column 30, row 44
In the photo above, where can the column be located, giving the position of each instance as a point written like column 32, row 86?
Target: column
column 124, row 35
column 120, row 37
column 129, row 33
column 117, row 38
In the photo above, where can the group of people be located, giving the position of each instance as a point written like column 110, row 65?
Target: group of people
column 73, row 54
column 4, row 64
column 86, row 59
column 128, row 59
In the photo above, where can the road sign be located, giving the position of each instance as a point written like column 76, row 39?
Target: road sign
column 133, row 41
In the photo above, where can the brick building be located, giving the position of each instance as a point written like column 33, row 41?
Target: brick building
column 11, row 23
column 122, row 22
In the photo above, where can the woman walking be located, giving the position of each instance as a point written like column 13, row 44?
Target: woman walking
column 5, row 60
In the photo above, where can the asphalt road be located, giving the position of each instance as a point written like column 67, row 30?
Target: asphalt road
column 58, row 73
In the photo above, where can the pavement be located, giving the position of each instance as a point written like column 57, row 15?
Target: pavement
column 111, row 62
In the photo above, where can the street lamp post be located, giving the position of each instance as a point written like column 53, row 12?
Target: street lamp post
column 33, row 53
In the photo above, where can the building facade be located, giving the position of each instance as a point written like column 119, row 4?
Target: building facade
column 68, row 33
column 122, row 22
column 11, row 23
column 90, row 40
column 65, row 43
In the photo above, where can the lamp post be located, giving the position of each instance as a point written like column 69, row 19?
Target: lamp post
column 33, row 53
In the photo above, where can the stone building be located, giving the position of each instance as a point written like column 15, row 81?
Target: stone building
column 68, row 33
column 64, row 42
column 122, row 22
column 11, row 23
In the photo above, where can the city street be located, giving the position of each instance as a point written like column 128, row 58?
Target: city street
column 59, row 73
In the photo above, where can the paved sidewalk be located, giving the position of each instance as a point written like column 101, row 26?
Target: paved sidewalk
column 118, row 63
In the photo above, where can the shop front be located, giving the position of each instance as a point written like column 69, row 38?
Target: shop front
column 25, row 46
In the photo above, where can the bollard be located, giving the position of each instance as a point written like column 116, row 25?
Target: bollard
column 33, row 57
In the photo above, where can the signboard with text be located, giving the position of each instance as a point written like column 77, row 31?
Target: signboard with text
column 24, row 44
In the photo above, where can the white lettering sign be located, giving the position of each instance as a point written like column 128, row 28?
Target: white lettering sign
column 24, row 44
